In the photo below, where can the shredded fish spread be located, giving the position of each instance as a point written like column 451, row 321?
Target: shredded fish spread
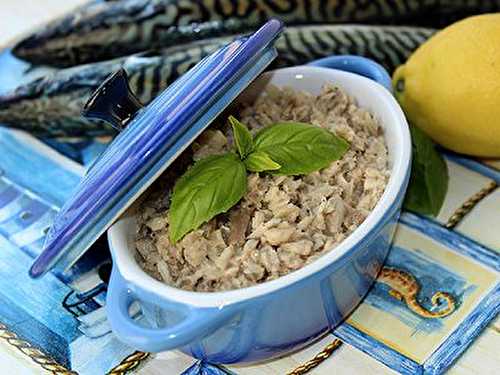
column 283, row 222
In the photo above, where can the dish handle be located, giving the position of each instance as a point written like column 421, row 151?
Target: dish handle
column 358, row 65
column 196, row 322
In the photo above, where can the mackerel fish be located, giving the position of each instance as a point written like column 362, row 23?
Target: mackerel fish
column 51, row 106
column 104, row 30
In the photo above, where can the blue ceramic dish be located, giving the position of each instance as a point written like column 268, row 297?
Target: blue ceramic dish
column 282, row 315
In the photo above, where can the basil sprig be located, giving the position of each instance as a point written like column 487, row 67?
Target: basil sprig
column 429, row 176
column 215, row 184
column 211, row 186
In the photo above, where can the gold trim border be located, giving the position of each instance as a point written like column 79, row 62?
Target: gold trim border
column 36, row 355
column 469, row 204
column 317, row 359
column 136, row 359
column 130, row 363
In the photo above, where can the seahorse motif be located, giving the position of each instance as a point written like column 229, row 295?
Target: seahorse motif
column 405, row 287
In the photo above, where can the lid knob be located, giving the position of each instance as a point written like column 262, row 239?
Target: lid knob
column 113, row 101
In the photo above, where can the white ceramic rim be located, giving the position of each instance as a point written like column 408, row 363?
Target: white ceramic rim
column 134, row 275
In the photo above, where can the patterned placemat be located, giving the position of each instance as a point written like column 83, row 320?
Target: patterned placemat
column 59, row 321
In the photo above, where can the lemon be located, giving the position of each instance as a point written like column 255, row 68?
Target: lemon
column 450, row 86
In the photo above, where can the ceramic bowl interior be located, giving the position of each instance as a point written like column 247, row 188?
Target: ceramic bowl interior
column 369, row 95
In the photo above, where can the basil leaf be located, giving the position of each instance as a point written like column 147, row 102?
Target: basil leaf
column 242, row 137
column 429, row 176
column 299, row 148
column 259, row 161
column 211, row 186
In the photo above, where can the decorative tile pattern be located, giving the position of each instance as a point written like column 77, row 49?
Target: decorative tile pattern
column 401, row 330
column 61, row 313
column 395, row 329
